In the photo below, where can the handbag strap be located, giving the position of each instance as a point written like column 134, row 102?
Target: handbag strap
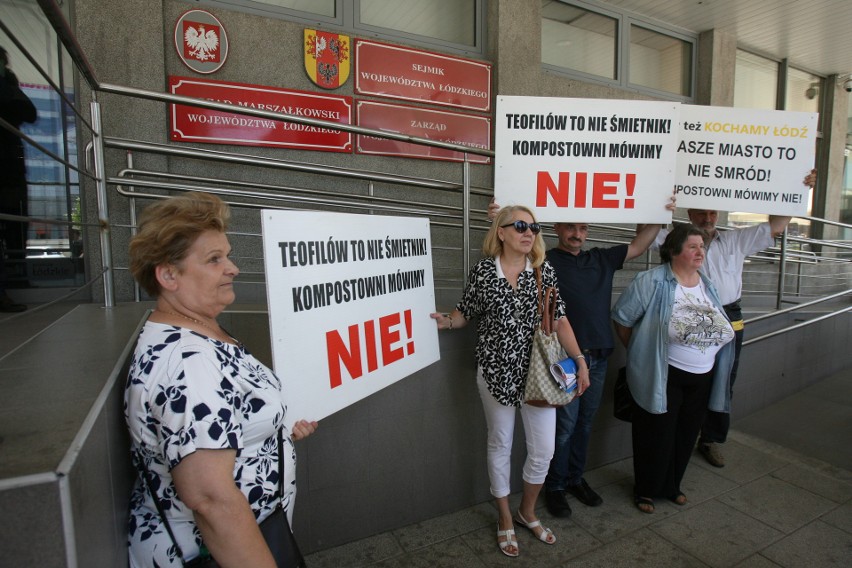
column 145, row 476
column 538, row 290
column 280, row 470
column 546, row 303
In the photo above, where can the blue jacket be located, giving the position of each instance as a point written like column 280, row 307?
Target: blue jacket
column 646, row 306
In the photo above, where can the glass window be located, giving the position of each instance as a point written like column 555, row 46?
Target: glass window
column 803, row 91
column 455, row 25
column 40, row 252
column 755, row 81
column 660, row 61
column 578, row 39
column 452, row 21
column 319, row 7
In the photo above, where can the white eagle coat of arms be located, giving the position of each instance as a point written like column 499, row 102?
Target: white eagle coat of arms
column 202, row 44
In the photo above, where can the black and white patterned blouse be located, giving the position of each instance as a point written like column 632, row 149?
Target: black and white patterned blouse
column 187, row 392
column 507, row 321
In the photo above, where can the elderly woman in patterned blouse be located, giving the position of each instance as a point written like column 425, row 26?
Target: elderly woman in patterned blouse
column 203, row 413
column 501, row 291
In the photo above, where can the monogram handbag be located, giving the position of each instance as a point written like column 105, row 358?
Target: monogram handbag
column 275, row 528
column 542, row 389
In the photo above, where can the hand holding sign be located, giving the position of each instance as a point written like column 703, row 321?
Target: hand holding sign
column 302, row 429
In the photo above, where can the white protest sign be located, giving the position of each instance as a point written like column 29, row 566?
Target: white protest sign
column 589, row 160
column 736, row 159
column 349, row 303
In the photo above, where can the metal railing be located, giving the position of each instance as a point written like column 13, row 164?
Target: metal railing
column 444, row 215
column 796, row 308
column 101, row 181
column 64, row 33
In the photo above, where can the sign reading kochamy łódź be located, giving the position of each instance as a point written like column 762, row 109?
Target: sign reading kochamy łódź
column 736, row 159
column 196, row 124
column 349, row 303
column 441, row 125
column 415, row 75
column 589, row 160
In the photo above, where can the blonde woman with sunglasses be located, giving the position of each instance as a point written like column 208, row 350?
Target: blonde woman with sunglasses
column 501, row 291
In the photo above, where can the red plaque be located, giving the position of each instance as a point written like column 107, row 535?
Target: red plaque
column 195, row 124
column 446, row 126
column 411, row 74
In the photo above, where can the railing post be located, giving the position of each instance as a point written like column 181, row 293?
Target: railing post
column 466, row 215
column 782, row 270
column 103, row 210
column 137, row 290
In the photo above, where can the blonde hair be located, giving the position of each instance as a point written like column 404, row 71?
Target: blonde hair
column 493, row 246
column 167, row 230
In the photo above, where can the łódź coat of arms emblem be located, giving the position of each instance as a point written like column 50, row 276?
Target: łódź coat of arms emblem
column 201, row 41
column 327, row 58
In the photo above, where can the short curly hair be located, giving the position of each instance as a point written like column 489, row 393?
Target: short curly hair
column 673, row 245
column 166, row 231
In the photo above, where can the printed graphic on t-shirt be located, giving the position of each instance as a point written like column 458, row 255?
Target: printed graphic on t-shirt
column 698, row 324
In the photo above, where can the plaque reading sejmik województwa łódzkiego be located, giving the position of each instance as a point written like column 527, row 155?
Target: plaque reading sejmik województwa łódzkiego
column 415, row 75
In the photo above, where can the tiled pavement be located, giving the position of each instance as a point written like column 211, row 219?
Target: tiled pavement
column 771, row 506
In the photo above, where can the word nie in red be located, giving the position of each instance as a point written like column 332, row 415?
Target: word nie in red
column 603, row 188
column 380, row 336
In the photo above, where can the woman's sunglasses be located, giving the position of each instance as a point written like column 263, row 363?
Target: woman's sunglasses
column 522, row 226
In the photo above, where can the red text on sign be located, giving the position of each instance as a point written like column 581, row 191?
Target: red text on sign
column 572, row 189
column 380, row 338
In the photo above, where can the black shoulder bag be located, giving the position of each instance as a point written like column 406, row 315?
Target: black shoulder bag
column 275, row 528
column 623, row 404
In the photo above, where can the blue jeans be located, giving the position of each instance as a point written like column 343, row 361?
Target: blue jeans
column 573, row 430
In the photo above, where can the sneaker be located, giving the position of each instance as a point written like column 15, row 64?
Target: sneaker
column 9, row 305
column 585, row 494
column 557, row 504
column 712, row 453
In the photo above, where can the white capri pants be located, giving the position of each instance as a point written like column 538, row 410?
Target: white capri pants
column 540, row 432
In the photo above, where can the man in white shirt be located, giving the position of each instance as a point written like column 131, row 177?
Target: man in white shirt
column 723, row 264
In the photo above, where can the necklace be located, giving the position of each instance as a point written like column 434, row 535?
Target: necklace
column 688, row 296
column 180, row 315
column 218, row 332
column 684, row 280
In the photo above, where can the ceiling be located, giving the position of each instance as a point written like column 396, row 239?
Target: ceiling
column 814, row 35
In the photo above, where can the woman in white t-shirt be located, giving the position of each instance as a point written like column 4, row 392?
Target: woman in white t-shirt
column 679, row 354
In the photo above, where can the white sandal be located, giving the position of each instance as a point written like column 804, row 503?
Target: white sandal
column 544, row 536
column 511, row 540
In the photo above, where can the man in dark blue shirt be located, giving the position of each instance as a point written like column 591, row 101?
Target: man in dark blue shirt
column 585, row 285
